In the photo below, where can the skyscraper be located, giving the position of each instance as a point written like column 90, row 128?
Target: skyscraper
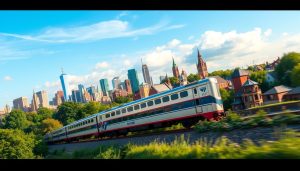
column 128, row 86
column 91, row 90
column 59, row 98
column 116, row 83
column 35, row 103
column 81, row 93
column 21, row 103
column 146, row 74
column 64, row 79
column 104, row 86
column 201, row 67
column 76, row 96
column 134, row 81
column 43, row 99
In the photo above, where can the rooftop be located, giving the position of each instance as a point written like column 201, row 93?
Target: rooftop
column 294, row 91
column 278, row 89
column 249, row 83
column 239, row 72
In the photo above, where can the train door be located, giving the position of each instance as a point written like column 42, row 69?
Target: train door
column 196, row 96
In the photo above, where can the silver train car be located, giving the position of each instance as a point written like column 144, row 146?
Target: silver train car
column 185, row 104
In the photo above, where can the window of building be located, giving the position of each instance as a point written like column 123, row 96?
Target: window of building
column 256, row 97
column 124, row 110
column 136, row 107
column 166, row 99
column 118, row 112
column 150, row 103
column 183, row 94
column 157, row 101
column 129, row 109
column 174, row 96
column 143, row 105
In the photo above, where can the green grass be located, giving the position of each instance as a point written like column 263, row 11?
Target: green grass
column 287, row 147
column 275, row 104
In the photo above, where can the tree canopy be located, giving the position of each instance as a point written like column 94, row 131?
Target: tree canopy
column 295, row 75
column 227, row 97
column 16, row 119
column 285, row 67
column 15, row 144
column 193, row 77
column 49, row 125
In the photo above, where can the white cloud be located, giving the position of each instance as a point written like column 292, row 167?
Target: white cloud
column 101, row 65
column 268, row 32
column 93, row 32
column 191, row 37
column 7, row 78
column 127, row 63
column 173, row 43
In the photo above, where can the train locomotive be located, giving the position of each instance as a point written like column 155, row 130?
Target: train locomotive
column 186, row 104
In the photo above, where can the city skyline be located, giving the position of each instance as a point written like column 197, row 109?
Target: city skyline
column 33, row 54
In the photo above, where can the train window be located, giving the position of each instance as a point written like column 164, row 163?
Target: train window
column 157, row 101
column 124, row 110
column 195, row 91
column 129, row 109
column 183, row 94
column 150, row 103
column 136, row 107
column 174, row 96
column 113, row 114
column 92, row 120
column 107, row 115
column 143, row 105
column 118, row 112
column 166, row 99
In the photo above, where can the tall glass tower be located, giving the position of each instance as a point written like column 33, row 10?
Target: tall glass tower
column 64, row 79
column 134, row 81
column 104, row 86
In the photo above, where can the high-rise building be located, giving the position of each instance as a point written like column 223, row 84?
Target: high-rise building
column 201, row 67
column 59, row 98
column 104, row 86
column 76, row 96
column 35, row 102
column 116, row 83
column 134, row 81
column 122, row 85
column 144, row 90
column 64, row 79
column 21, row 103
column 128, row 86
column 43, row 98
column 146, row 74
column 175, row 69
column 92, row 90
column 81, row 93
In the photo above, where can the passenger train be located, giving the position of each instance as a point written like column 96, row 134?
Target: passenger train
column 185, row 104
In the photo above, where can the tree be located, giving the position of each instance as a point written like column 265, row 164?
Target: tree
column 15, row 144
column 68, row 112
column 49, row 125
column 16, row 119
column 45, row 113
column 295, row 76
column 33, row 117
column 227, row 97
column 226, row 74
column 193, row 77
column 285, row 67
column 174, row 81
column 122, row 99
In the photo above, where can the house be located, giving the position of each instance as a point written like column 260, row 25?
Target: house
column 224, row 84
column 158, row 88
column 275, row 94
column 271, row 66
column 293, row 94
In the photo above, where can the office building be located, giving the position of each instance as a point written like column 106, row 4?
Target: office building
column 21, row 103
column 64, row 79
column 104, row 86
column 134, row 81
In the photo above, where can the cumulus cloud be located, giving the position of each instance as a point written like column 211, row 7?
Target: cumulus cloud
column 7, row 78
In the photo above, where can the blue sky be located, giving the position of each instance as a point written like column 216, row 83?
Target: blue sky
column 90, row 45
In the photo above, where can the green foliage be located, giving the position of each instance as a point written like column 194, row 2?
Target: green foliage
column 122, row 99
column 227, row 97
column 49, row 125
column 285, row 67
column 295, row 75
column 226, row 74
column 15, row 144
column 102, row 152
column 16, row 119
column 174, row 81
column 193, row 77
column 68, row 112
column 45, row 113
